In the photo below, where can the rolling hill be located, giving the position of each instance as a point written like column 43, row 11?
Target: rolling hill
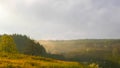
column 105, row 52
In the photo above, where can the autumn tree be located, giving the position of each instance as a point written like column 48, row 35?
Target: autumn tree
column 7, row 44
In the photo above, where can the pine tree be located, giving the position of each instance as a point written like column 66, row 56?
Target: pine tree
column 7, row 44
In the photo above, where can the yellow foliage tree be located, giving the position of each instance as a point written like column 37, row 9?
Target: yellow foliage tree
column 7, row 44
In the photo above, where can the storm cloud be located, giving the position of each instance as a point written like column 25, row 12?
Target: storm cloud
column 61, row 19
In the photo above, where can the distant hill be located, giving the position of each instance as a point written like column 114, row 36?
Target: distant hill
column 63, row 46
column 105, row 52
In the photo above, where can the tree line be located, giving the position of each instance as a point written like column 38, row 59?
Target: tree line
column 17, row 43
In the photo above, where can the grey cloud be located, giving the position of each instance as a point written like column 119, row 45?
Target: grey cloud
column 66, row 19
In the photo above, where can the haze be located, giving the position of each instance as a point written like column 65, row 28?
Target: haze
column 61, row 19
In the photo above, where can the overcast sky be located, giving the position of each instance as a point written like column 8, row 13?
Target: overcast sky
column 61, row 19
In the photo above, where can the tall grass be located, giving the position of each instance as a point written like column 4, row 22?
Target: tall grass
column 8, row 60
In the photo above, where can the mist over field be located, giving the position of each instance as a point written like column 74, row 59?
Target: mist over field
column 104, row 52
column 68, row 46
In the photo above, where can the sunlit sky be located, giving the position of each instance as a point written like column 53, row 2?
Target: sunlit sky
column 61, row 19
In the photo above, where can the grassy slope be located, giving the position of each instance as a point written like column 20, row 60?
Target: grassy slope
column 25, row 61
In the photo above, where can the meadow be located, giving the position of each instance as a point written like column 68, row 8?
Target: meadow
column 8, row 60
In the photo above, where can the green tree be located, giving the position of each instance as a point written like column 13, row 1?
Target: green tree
column 28, row 46
column 7, row 44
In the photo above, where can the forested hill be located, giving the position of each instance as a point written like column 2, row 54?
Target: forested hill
column 63, row 46
column 23, row 44
column 105, row 52
column 18, row 51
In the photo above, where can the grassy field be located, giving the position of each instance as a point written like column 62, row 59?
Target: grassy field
column 25, row 61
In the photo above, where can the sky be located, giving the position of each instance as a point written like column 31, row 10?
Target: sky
column 61, row 19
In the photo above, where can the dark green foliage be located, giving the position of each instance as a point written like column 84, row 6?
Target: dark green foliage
column 7, row 44
column 22, row 44
column 27, row 46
